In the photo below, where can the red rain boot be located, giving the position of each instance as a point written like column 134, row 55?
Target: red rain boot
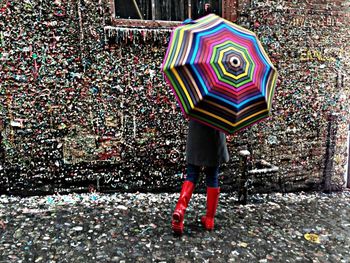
column 212, row 204
column 179, row 212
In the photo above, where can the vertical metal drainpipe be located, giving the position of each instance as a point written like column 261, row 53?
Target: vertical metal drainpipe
column 348, row 167
column 329, row 155
column 153, row 10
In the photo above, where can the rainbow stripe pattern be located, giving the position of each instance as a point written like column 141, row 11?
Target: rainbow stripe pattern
column 220, row 74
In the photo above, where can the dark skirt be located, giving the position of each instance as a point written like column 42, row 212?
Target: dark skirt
column 205, row 146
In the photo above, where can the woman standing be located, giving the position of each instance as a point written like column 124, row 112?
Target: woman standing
column 205, row 147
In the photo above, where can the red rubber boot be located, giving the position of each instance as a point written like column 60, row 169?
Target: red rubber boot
column 177, row 223
column 212, row 204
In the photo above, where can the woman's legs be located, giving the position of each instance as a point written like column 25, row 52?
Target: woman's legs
column 213, row 190
column 212, row 176
column 193, row 172
column 185, row 196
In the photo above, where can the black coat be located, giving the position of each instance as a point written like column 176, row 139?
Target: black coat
column 205, row 146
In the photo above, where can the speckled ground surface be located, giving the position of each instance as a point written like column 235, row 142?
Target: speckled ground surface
column 302, row 227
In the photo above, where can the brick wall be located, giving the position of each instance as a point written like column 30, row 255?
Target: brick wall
column 79, row 112
column 309, row 42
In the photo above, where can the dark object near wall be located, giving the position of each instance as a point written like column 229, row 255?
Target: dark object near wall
column 2, row 150
column 348, row 183
column 328, row 186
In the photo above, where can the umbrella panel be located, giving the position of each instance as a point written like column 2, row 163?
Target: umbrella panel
column 224, row 125
column 222, row 110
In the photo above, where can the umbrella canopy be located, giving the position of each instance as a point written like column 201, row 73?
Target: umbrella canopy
column 220, row 73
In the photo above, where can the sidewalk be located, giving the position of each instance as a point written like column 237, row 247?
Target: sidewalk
column 136, row 228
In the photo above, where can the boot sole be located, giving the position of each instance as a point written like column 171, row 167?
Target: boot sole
column 206, row 226
column 178, row 229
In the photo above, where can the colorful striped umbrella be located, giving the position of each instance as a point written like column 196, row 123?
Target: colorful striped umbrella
column 220, row 73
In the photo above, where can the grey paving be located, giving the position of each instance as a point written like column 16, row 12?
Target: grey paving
column 125, row 227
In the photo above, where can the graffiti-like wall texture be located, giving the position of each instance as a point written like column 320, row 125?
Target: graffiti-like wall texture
column 84, row 104
column 308, row 40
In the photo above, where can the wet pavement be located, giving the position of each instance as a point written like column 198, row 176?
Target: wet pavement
column 124, row 227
